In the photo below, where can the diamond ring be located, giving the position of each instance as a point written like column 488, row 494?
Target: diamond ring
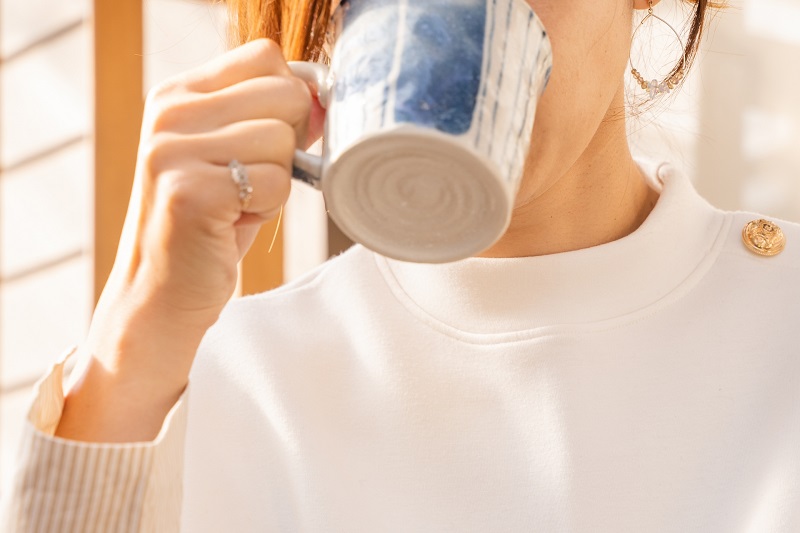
column 239, row 175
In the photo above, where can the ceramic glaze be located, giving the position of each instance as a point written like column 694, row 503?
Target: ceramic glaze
column 431, row 106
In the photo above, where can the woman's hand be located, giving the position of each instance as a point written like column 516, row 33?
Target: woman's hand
column 185, row 231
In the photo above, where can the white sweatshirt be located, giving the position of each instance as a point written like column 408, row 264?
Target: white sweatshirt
column 651, row 384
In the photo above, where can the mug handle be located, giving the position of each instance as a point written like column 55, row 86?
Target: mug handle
column 307, row 167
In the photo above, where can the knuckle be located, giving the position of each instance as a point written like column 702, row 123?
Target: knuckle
column 159, row 152
column 264, row 48
column 300, row 88
column 179, row 195
column 156, row 92
column 172, row 114
column 163, row 91
column 301, row 97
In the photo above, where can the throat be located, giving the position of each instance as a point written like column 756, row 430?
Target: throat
column 581, row 210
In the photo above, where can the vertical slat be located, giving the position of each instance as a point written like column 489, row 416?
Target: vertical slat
column 262, row 270
column 338, row 242
column 2, row 288
column 119, row 105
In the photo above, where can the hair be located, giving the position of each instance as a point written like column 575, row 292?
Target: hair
column 299, row 26
column 697, row 25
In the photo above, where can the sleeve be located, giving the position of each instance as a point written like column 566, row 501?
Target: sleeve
column 62, row 486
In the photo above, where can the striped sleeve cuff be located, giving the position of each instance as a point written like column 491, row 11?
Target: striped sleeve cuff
column 65, row 486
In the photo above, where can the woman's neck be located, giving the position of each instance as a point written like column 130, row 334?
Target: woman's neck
column 601, row 198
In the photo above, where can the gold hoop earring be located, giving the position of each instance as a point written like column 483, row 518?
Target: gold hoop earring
column 654, row 87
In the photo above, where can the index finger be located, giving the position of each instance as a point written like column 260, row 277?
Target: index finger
column 260, row 57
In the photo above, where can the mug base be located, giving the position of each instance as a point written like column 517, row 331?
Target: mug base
column 417, row 195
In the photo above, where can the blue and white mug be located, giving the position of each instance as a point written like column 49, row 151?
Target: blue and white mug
column 430, row 109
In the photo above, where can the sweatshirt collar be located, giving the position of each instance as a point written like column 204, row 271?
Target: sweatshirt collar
column 501, row 295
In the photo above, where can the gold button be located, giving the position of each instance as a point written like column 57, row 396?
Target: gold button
column 764, row 237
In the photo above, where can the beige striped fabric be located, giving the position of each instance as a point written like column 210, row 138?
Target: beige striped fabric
column 68, row 486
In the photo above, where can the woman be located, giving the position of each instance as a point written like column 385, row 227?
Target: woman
column 621, row 360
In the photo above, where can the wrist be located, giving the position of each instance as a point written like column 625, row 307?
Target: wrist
column 115, row 406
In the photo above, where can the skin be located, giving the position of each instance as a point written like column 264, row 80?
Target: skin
column 185, row 232
column 581, row 186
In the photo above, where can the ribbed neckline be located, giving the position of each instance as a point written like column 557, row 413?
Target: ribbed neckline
column 502, row 295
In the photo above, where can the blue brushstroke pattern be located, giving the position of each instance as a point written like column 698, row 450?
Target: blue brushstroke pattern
column 366, row 68
column 488, row 72
column 442, row 60
column 534, row 67
column 500, row 80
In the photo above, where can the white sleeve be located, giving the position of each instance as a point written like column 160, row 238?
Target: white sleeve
column 61, row 485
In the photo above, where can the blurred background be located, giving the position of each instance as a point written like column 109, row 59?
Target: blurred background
column 73, row 75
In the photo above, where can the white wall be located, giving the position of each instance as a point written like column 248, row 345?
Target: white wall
column 45, row 194
column 735, row 126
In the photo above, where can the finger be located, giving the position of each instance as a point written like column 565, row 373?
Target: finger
column 284, row 98
column 249, row 142
column 260, row 57
column 271, row 185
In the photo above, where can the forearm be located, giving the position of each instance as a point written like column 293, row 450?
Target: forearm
column 132, row 374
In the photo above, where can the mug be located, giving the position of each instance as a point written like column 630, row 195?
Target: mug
column 430, row 109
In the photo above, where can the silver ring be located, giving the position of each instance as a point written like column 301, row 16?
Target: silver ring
column 239, row 175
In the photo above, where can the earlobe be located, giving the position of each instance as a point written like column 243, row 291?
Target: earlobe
column 645, row 4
